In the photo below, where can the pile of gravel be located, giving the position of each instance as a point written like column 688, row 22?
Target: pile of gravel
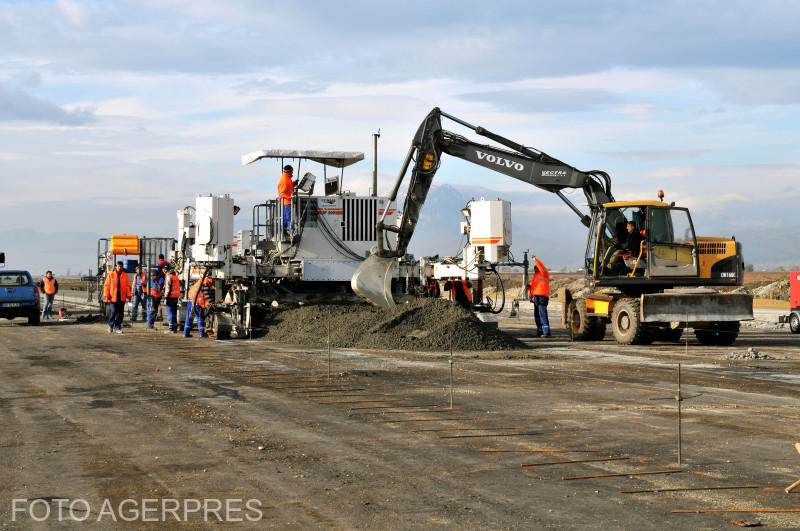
column 425, row 324
column 749, row 354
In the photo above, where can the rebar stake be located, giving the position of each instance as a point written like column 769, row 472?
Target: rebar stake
column 679, row 399
column 451, row 369
column 329, row 350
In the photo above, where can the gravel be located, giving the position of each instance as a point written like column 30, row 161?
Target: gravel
column 425, row 324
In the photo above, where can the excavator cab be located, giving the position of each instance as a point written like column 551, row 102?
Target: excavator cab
column 635, row 242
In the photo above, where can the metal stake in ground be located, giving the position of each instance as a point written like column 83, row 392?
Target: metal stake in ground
column 451, row 369
column 678, row 398
column 329, row 350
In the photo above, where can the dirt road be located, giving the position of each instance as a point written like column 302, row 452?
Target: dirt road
column 149, row 421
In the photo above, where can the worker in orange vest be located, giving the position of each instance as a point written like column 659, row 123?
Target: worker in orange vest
column 50, row 287
column 460, row 291
column 201, row 296
column 286, row 188
column 116, row 290
column 154, row 292
column 172, row 293
column 539, row 294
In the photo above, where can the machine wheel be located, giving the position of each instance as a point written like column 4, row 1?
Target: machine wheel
column 33, row 319
column 666, row 334
column 584, row 328
column 720, row 333
column 625, row 323
column 794, row 323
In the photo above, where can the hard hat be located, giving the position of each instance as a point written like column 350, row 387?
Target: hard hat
column 288, row 168
column 166, row 266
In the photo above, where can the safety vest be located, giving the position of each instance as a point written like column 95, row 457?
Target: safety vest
column 49, row 285
column 155, row 288
column 285, row 189
column 110, row 287
column 142, row 280
column 174, row 286
column 540, row 283
column 196, row 290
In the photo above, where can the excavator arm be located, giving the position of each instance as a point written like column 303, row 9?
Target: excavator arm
column 373, row 279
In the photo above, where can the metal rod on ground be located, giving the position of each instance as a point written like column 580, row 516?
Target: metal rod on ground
column 689, row 511
column 690, row 488
column 622, row 474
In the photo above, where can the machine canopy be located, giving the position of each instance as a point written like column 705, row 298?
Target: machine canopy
column 337, row 159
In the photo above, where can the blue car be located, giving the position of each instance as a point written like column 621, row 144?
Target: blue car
column 19, row 296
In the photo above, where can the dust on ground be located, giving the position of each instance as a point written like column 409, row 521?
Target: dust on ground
column 425, row 324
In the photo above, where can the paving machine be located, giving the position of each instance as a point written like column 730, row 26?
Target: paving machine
column 329, row 236
column 649, row 293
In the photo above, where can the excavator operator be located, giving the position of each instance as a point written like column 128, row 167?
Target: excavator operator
column 629, row 250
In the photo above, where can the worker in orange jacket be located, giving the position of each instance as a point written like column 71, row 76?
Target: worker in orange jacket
column 50, row 287
column 116, row 290
column 539, row 295
column 201, row 296
column 286, row 188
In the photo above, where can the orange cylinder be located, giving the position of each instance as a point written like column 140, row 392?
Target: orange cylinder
column 124, row 244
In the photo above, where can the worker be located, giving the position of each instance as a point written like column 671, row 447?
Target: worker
column 201, row 296
column 172, row 293
column 460, row 291
column 155, row 290
column 285, row 191
column 116, row 290
column 539, row 295
column 50, row 287
column 161, row 261
column 139, row 279
column 629, row 249
column 432, row 289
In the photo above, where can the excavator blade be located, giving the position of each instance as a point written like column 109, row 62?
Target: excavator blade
column 373, row 281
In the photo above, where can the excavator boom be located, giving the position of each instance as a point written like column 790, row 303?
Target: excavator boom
column 372, row 281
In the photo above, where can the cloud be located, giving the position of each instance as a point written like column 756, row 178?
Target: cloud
column 18, row 106
column 536, row 100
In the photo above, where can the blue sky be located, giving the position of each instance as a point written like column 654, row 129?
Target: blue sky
column 146, row 104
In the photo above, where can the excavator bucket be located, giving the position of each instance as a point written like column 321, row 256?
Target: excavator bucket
column 373, row 281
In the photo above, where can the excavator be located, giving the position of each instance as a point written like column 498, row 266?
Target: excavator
column 650, row 293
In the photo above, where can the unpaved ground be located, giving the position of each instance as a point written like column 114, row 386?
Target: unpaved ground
column 92, row 416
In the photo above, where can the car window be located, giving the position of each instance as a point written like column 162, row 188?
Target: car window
column 14, row 279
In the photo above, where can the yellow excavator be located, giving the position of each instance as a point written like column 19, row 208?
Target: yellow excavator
column 650, row 292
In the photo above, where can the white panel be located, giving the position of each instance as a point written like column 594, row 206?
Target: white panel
column 329, row 270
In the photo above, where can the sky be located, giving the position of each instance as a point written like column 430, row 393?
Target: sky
column 114, row 114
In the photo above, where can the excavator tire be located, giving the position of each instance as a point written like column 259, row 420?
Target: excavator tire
column 582, row 327
column 666, row 334
column 721, row 333
column 627, row 327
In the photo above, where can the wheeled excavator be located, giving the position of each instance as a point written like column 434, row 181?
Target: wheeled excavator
column 650, row 293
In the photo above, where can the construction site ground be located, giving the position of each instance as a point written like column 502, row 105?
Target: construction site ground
column 358, row 438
